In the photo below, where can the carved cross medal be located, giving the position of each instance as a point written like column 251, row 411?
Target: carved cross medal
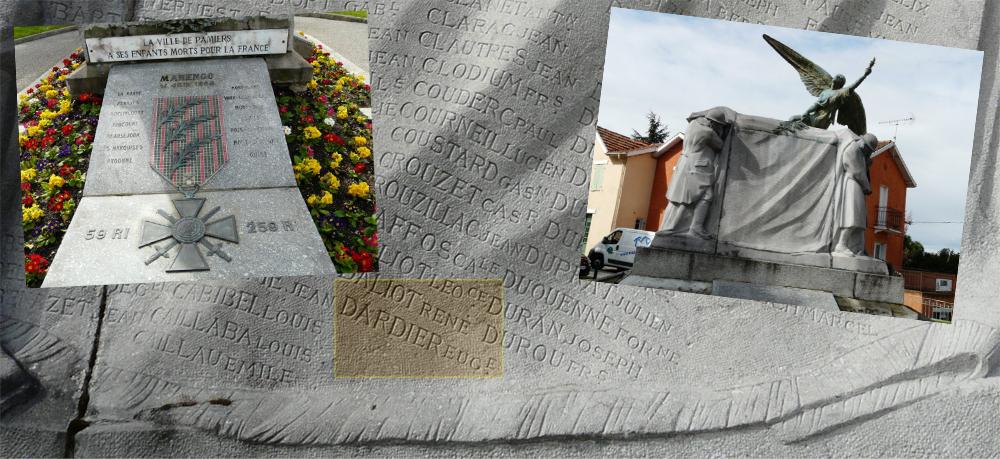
column 188, row 148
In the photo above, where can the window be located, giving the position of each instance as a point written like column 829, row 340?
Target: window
column 597, row 178
column 640, row 223
column 613, row 238
column 944, row 285
column 586, row 231
column 883, row 203
column 880, row 250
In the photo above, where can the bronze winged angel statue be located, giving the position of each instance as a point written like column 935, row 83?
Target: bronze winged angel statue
column 833, row 98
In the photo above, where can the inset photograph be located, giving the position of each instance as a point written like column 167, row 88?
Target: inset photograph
column 781, row 165
column 196, row 149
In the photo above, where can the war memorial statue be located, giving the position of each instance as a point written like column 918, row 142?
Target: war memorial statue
column 752, row 194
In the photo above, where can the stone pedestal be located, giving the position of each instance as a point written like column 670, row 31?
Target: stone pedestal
column 129, row 213
column 745, row 278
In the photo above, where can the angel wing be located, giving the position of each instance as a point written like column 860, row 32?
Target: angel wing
column 852, row 114
column 813, row 76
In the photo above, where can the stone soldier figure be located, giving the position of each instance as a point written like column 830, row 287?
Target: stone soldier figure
column 853, row 216
column 690, row 192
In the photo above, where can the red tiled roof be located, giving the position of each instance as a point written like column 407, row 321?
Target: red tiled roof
column 619, row 143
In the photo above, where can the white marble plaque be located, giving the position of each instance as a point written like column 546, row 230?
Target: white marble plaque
column 182, row 45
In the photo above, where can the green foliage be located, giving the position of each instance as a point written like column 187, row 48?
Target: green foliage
column 20, row 32
column 914, row 257
column 656, row 132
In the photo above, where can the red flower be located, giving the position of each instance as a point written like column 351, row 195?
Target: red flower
column 303, row 108
column 84, row 97
column 74, row 56
column 96, row 100
column 30, row 90
column 55, row 69
column 308, row 120
column 47, row 141
column 52, row 103
column 283, row 109
column 310, row 59
column 67, row 129
column 67, row 62
column 27, row 200
column 31, row 144
column 359, row 168
column 67, row 170
column 332, row 138
column 35, row 264
column 26, row 187
column 56, row 206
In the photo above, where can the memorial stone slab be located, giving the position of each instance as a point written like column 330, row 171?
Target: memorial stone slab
column 182, row 45
column 251, row 128
column 112, row 238
column 838, row 384
column 51, row 335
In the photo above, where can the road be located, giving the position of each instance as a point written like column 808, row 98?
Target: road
column 36, row 58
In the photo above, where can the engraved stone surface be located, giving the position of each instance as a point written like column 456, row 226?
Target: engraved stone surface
column 50, row 335
column 183, row 45
column 263, row 232
column 784, row 295
column 123, row 145
column 411, row 328
column 500, row 196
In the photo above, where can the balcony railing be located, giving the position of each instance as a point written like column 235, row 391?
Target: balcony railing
column 926, row 281
column 890, row 218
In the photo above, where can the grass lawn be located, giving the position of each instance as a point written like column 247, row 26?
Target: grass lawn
column 357, row 14
column 25, row 31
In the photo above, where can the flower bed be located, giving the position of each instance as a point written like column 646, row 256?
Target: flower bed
column 330, row 143
column 56, row 135
column 328, row 137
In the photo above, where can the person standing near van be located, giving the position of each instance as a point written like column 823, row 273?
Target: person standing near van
column 690, row 192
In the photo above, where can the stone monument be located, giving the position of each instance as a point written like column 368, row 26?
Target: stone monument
column 190, row 176
column 786, row 222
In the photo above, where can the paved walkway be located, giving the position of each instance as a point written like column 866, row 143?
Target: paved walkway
column 36, row 58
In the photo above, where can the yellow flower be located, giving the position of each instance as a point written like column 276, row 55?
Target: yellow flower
column 338, row 87
column 331, row 181
column 51, row 94
column 335, row 159
column 63, row 111
column 65, row 104
column 327, row 198
column 312, row 200
column 66, row 92
column 302, row 33
column 360, row 190
column 62, row 77
column 311, row 84
column 56, row 181
column 31, row 213
column 364, row 152
column 311, row 132
column 28, row 174
column 354, row 158
column 44, row 123
column 23, row 97
column 359, row 118
column 341, row 112
column 33, row 131
column 360, row 141
column 48, row 114
column 76, row 66
column 360, row 78
column 21, row 138
column 45, row 87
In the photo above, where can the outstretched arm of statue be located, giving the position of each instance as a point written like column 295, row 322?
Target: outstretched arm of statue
column 868, row 71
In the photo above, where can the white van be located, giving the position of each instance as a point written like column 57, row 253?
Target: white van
column 618, row 248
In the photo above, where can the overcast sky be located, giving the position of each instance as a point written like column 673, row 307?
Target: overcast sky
column 676, row 65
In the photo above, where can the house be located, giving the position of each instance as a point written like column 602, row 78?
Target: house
column 620, row 183
column 887, row 204
column 929, row 293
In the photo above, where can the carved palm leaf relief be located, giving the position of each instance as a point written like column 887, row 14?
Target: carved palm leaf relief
column 188, row 138
column 863, row 384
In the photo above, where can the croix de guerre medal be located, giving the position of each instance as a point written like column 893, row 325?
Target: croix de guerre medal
column 188, row 148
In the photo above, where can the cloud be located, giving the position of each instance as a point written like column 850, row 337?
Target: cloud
column 676, row 65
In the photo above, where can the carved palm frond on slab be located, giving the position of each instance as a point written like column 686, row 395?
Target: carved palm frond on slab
column 189, row 138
